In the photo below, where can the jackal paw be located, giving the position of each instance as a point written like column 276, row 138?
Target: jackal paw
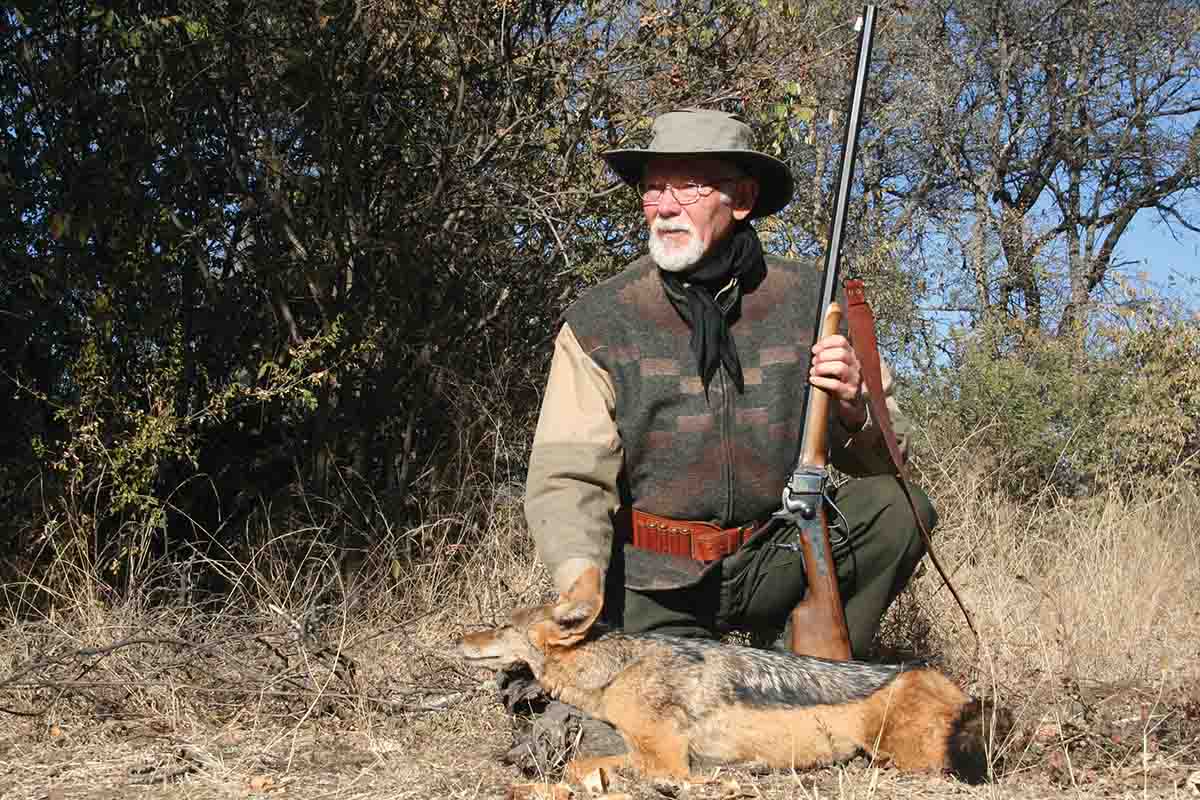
column 580, row 768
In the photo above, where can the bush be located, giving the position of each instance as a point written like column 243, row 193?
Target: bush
column 1042, row 413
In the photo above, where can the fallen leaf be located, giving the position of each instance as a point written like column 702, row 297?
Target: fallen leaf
column 1193, row 783
column 1046, row 732
column 667, row 787
column 260, row 783
column 539, row 791
column 596, row 781
column 732, row 790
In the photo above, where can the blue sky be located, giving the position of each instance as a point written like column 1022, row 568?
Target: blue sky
column 1160, row 254
column 1149, row 240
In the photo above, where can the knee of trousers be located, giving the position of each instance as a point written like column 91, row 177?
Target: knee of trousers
column 897, row 523
column 904, row 540
column 925, row 509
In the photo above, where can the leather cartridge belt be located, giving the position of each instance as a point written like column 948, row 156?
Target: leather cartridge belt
column 701, row 541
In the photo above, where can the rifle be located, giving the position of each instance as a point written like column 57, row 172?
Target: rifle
column 819, row 622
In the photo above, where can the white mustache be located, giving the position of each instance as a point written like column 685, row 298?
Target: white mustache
column 663, row 226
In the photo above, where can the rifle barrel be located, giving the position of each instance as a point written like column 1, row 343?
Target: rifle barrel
column 837, row 220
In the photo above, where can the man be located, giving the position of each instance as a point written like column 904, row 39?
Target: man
column 676, row 394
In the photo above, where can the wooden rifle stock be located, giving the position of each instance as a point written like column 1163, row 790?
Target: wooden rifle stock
column 819, row 622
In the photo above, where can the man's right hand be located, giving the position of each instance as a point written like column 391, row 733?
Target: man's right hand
column 579, row 607
column 836, row 369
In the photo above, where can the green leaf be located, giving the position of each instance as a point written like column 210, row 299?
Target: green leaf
column 59, row 223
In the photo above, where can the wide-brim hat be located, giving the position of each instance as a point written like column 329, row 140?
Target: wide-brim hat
column 698, row 133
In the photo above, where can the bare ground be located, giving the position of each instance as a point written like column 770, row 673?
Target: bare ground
column 1090, row 638
column 454, row 753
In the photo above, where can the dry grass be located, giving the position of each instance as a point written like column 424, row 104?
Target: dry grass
column 303, row 686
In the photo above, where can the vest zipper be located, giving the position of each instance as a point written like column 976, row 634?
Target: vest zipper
column 725, row 299
column 727, row 441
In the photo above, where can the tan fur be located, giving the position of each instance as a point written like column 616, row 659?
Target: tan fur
column 672, row 706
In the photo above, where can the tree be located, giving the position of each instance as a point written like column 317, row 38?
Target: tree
column 1056, row 123
column 258, row 249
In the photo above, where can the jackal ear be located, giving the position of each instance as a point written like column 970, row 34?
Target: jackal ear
column 578, row 608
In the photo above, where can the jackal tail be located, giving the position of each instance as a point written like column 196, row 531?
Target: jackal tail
column 923, row 721
column 977, row 737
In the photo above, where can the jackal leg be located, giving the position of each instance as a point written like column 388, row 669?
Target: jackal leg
column 657, row 748
column 661, row 752
column 657, row 745
column 579, row 767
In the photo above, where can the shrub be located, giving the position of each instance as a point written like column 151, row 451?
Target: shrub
column 1043, row 413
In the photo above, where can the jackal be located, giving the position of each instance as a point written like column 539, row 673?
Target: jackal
column 681, row 701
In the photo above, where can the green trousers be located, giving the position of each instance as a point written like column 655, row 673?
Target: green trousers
column 755, row 588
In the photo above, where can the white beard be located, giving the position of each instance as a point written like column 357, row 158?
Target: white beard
column 678, row 258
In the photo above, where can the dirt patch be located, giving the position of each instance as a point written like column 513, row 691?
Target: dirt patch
column 1112, row 738
column 455, row 754
column 399, row 757
column 1089, row 741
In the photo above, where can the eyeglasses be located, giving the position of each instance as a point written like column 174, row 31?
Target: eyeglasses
column 685, row 195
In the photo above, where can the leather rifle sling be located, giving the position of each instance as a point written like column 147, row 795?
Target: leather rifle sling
column 861, row 322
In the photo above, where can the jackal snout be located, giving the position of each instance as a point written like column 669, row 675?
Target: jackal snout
column 530, row 632
column 516, row 641
column 496, row 648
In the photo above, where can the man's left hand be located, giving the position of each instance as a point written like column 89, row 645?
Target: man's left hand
column 835, row 369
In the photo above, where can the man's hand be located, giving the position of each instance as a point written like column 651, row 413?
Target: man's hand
column 835, row 369
column 578, row 608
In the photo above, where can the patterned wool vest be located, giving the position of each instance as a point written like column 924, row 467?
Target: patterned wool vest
column 723, row 458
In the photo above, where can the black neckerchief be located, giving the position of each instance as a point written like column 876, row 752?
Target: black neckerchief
column 708, row 295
